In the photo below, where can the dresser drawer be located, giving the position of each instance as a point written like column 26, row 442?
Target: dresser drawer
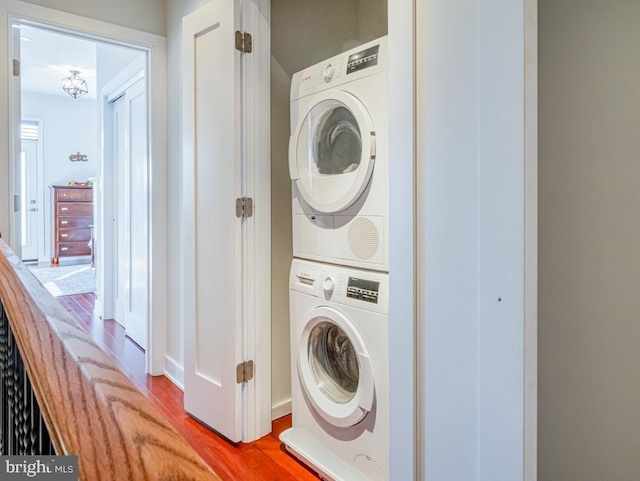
column 74, row 208
column 74, row 194
column 74, row 235
column 81, row 221
column 73, row 249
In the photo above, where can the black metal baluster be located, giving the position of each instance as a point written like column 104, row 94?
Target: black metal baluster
column 22, row 428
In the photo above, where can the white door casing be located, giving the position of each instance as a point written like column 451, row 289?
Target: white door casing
column 15, row 145
column 227, row 272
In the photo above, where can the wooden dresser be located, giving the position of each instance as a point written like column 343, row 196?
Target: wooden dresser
column 72, row 221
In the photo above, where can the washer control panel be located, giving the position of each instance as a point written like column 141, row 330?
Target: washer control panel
column 367, row 290
column 363, row 289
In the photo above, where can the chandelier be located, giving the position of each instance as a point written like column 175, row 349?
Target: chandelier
column 74, row 85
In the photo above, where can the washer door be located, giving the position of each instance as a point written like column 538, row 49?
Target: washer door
column 331, row 157
column 335, row 368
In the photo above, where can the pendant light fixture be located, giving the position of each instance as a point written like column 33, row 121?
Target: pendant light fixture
column 74, row 85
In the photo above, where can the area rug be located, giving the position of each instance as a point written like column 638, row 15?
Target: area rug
column 66, row 280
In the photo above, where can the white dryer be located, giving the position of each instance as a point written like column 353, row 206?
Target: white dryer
column 339, row 371
column 338, row 159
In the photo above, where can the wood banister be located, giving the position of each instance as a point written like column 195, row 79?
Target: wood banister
column 91, row 409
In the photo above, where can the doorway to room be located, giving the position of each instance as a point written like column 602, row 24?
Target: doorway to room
column 83, row 166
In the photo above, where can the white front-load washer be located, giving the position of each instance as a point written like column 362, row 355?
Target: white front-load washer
column 338, row 159
column 339, row 323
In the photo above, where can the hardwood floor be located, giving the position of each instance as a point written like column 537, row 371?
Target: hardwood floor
column 263, row 460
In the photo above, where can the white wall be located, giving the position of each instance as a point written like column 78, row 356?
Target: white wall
column 471, row 239
column 68, row 127
column 145, row 15
column 589, row 242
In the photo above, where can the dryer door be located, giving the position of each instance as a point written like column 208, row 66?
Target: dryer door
column 331, row 157
column 335, row 368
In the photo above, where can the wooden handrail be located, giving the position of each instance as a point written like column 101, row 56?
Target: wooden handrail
column 91, row 409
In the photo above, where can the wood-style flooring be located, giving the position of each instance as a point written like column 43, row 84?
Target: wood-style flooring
column 262, row 460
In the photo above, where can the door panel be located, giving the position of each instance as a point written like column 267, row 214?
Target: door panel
column 212, row 173
column 121, row 221
column 136, row 326
column 130, row 137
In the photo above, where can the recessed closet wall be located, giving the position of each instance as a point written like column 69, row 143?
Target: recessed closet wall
column 302, row 34
column 589, row 240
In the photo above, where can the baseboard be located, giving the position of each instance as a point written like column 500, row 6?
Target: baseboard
column 174, row 372
column 281, row 409
column 97, row 309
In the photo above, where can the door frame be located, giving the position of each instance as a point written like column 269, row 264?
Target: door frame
column 42, row 247
column 14, row 11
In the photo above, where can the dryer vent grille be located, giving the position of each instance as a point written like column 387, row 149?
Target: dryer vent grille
column 364, row 239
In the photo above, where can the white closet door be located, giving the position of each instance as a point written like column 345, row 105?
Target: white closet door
column 213, row 241
column 136, row 325
column 122, row 218
column 130, row 148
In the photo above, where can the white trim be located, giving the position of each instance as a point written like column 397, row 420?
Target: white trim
column 156, row 46
column 402, row 243
column 283, row 408
column 126, row 78
column 531, row 243
column 174, row 372
column 97, row 309
column 256, row 18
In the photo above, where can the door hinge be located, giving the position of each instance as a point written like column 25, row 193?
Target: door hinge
column 244, row 42
column 244, row 207
column 16, row 67
column 244, row 372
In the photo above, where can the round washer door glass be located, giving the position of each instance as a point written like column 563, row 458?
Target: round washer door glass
column 335, row 369
column 335, row 153
column 333, row 362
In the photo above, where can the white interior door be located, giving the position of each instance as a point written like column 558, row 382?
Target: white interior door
column 131, row 152
column 121, row 219
column 213, row 240
column 29, row 199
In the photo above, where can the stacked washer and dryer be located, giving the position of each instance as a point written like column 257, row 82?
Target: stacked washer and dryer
column 339, row 281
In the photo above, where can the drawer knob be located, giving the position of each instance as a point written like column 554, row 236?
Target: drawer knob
column 64, row 208
column 64, row 248
column 64, row 235
column 64, row 222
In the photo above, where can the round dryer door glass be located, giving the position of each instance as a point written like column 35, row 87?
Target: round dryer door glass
column 335, row 152
column 337, row 141
column 333, row 362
